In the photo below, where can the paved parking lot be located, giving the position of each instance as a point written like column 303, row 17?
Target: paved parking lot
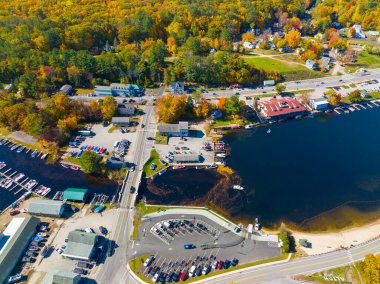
column 193, row 144
column 210, row 240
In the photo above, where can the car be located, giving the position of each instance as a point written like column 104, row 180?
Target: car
column 26, row 259
column 32, row 248
column 175, row 277
column 237, row 230
column 35, row 243
column 111, row 248
column 121, row 130
column 183, row 276
column 153, row 271
column 82, row 264
column 234, row 262
column 198, row 271
column 60, row 251
column 37, row 239
column 220, row 265
column 42, row 235
column 103, row 230
column 169, row 277
column 162, row 277
column 14, row 212
column 192, row 271
column 185, row 148
column 149, row 261
column 132, row 189
column 147, row 271
column 131, row 168
column 142, row 125
column 151, row 138
column 214, row 264
column 155, row 277
column 226, row 264
column 206, row 269
column 80, row 271
column 177, row 148
column 89, row 230
column 15, row 278
column 30, row 253
column 188, row 246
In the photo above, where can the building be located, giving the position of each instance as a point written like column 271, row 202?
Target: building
column 46, row 207
column 359, row 33
column 121, row 121
column 176, row 88
column 325, row 63
column 285, row 49
column 75, row 194
column 66, row 89
column 13, row 242
column 180, row 129
column 280, row 108
column 116, row 89
column 186, row 158
column 364, row 94
column 269, row 83
column 81, row 245
column 216, row 114
column 248, row 45
column 61, row 277
column 115, row 163
column 319, row 104
column 311, row 64
column 126, row 109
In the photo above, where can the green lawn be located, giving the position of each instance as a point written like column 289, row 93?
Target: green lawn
column 364, row 60
column 154, row 158
column 160, row 139
column 373, row 96
column 290, row 71
column 4, row 131
column 113, row 128
column 72, row 160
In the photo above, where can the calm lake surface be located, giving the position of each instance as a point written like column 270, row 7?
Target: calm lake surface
column 307, row 167
column 56, row 177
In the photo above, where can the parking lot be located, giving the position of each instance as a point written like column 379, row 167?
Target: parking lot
column 191, row 245
column 194, row 144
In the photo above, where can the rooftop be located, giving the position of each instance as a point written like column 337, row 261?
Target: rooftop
column 46, row 207
column 164, row 127
column 60, row 277
column 77, row 194
column 120, row 119
column 80, row 244
column 279, row 106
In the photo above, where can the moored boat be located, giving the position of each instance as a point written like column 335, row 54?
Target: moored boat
column 199, row 167
column 162, row 171
column 211, row 167
column 18, row 176
column 177, row 167
column 14, row 146
column 20, row 149
column 249, row 126
column 99, row 208
column 65, row 165
column 44, row 156
column 269, row 131
column 34, row 154
column 75, row 168
column 238, row 187
column 2, row 165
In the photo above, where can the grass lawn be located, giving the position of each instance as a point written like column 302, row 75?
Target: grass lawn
column 364, row 60
column 71, row 160
column 81, row 91
column 226, row 121
column 154, row 158
column 373, row 96
column 4, row 131
column 290, row 70
column 113, row 128
column 352, row 85
column 160, row 139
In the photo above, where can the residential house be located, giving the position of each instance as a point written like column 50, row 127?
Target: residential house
column 359, row 33
column 325, row 63
column 248, row 45
column 116, row 89
column 126, row 109
column 176, row 88
column 180, row 129
column 121, row 121
column 319, row 104
column 66, row 89
column 285, row 49
column 311, row 64
column 115, row 163
column 364, row 94
column 269, row 83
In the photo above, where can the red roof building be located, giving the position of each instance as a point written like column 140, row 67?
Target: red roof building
column 280, row 108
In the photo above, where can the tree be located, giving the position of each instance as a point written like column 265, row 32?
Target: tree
column 355, row 96
column 371, row 268
column 90, row 162
column 221, row 103
column 305, row 98
column 248, row 36
column 284, row 238
column 335, row 99
column 351, row 32
column 280, row 88
column 108, row 107
column 170, row 108
column 232, row 106
column 293, row 38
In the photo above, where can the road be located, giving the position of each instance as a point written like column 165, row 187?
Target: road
column 311, row 84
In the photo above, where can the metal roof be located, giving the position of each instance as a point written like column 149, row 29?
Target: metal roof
column 13, row 242
column 76, row 194
column 61, row 277
column 163, row 127
column 119, row 119
column 186, row 158
column 46, row 207
column 80, row 244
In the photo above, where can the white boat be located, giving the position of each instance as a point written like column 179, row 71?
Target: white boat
column 269, row 131
column 221, row 155
column 249, row 126
column 238, row 187
column 17, row 177
column 8, row 185
column 47, row 190
column 2, row 165
column 30, row 184
column 44, row 156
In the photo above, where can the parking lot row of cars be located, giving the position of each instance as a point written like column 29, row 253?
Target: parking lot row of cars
column 175, row 271
column 167, row 230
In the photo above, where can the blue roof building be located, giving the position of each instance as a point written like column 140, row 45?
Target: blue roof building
column 116, row 89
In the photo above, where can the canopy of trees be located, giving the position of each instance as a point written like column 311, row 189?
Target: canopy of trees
column 90, row 162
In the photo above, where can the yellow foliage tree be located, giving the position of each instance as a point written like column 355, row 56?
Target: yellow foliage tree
column 293, row 38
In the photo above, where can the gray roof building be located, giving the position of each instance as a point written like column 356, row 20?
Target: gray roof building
column 46, row 207
column 61, row 277
column 186, row 158
column 66, row 89
column 126, row 109
column 13, row 242
column 311, row 64
column 81, row 245
column 121, row 121
column 180, row 129
column 177, row 88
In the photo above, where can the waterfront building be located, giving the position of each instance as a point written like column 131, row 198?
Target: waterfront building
column 81, row 245
column 176, row 88
column 121, row 121
column 116, row 89
column 46, row 207
column 13, row 242
column 61, row 277
column 319, row 104
column 280, row 108
column 126, row 109
column 180, row 129
column 186, row 158
column 75, row 194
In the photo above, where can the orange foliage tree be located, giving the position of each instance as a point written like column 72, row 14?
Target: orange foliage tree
column 170, row 108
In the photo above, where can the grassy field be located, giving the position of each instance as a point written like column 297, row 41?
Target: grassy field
column 154, row 158
column 4, row 131
column 160, row 139
column 290, row 70
column 373, row 96
column 365, row 60
column 113, row 128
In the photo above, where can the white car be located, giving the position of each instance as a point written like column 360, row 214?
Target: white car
column 155, row 277
column 214, row 264
column 89, row 230
column 192, row 271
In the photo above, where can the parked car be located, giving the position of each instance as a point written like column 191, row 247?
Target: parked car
column 234, row 262
column 198, row 271
column 206, row 269
column 82, row 264
column 80, row 271
column 32, row 248
column 15, row 278
column 89, row 230
column 148, row 261
column 169, row 277
column 188, row 246
column 26, row 259
column 14, row 212
column 192, row 271
column 103, row 230
column 151, row 138
column 175, row 277
column 30, row 253
column 226, row 264
column 132, row 190
column 214, row 264
column 183, row 276
column 220, row 265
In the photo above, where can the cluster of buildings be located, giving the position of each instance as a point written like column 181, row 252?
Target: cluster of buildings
column 122, row 90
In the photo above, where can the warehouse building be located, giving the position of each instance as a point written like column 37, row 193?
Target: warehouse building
column 180, row 129
column 13, row 242
column 81, row 245
column 61, row 277
column 186, row 158
column 75, row 194
column 46, row 207
column 121, row 121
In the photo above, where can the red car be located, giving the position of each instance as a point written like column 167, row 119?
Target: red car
column 183, row 276
column 220, row 265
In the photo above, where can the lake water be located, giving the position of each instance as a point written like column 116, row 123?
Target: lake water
column 327, row 166
column 56, row 177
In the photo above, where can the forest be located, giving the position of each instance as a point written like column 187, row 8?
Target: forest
column 45, row 44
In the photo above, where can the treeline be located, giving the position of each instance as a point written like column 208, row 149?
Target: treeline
column 370, row 269
column 52, row 119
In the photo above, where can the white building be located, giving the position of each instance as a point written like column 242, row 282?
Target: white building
column 359, row 33
column 319, row 104
column 248, row 45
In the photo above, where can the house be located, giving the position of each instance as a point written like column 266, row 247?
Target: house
column 126, row 109
column 285, row 49
column 319, row 104
column 46, row 207
column 373, row 33
column 311, row 64
column 13, row 242
column 75, row 194
column 325, row 63
column 177, row 88
column 359, row 33
column 61, row 277
column 280, row 108
column 180, row 129
column 186, row 158
column 81, row 245
column 269, row 83
column 116, row 89
column 66, row 89
column 115, row 163
column 121, row 121
column 212, row 51
column 248, row 45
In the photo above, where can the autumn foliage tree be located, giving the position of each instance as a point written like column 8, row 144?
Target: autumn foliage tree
column 170, row 108
column 293, row 38
column 248, row 36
